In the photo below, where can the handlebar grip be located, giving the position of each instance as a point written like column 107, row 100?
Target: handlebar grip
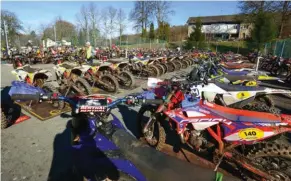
column 25, row 97
column 152, row 101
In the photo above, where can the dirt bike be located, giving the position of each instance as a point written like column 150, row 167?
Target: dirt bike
column 70, row 80
column 246, row 140
column 116, row 68
column 38, row 78
column 138, row 67
column 281, row 67
column 174, row 63
column 148, row 62
column 101, row 137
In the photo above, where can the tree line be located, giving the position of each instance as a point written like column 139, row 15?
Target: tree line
column 95, row 25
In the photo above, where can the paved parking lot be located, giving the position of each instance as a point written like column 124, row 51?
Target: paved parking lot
column 33, row 149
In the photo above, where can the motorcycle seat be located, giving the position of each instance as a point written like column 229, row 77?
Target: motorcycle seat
column 232, row 72
column 234, row 78
column 67, row 66
column 230, row 87
column 96, row 64
column 29, row 69
column 239, row 115
column 158, row 166
column 116, row 61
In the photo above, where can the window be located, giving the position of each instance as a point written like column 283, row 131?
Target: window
column 235, row 26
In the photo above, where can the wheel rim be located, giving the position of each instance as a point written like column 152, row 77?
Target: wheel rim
column 150, row 136
column 81, row 87
column 165, row 68
column 110, row 84
column 184, row 65
column 161, row 69
column 178, row 65
column 171, row 67
column 153, row 72
column 127, row 78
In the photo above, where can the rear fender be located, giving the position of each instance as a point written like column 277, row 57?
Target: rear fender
column 276, row 91
column 264, row 77
column 105, row 68
column 286, row 119
column 43, row 76
column 18, row 77
column 122, row 65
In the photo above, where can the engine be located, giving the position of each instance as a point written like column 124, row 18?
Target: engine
column 197, row 140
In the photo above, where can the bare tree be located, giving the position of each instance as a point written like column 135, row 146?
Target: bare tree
column 94, row 17
column 141, row 14
column 105, row 24
column 162, row 10
column 83, row 20
column 121, row 18
column 284, row 9
column 251, row 8
column 112, row 12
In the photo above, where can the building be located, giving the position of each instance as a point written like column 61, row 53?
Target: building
column 224, row 27
column 50, row 43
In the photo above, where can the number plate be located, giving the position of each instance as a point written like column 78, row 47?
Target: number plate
column 93, row 105
column 250, row 134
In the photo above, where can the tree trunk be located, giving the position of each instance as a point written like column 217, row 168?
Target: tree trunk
column 262, row 6
column 284, row 17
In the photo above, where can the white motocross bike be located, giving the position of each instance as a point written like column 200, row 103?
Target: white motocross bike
column 235, row 96
column 38, row 78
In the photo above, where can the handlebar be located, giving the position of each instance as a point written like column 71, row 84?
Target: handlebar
column 26, row 97
column 129, row 100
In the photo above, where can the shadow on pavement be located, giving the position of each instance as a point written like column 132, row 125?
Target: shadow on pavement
column 70, row 164
column 129, row 118
column 62, row 163
column 11, row 110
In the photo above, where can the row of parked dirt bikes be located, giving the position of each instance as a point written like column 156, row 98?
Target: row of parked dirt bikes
column 78, row 77
column 277, row 66
column 220, row 113
column 223, row 113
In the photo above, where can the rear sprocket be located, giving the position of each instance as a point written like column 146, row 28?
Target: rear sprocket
column 274, row 158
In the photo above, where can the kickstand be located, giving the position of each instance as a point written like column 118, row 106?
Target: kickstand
column 30, row 104
column 94, row 83
column 219, row 162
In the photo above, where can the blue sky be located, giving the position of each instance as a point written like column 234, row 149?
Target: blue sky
column 32, row 14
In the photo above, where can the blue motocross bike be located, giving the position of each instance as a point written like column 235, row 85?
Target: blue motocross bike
column 105, row 150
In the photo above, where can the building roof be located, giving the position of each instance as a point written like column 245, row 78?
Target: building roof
column 214, row 19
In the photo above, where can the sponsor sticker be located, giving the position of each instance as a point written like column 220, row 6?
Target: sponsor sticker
column 243, row 95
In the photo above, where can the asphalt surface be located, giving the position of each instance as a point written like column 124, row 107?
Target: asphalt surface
column 33, row 149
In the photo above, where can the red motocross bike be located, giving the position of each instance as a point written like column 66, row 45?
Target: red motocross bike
column 248, row 141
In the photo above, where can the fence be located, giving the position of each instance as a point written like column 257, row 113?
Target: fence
column 222, row 46
column 142, row 43
column 280, row 48
column 277, row 47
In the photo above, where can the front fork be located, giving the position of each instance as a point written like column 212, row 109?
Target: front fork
column 160, row 109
